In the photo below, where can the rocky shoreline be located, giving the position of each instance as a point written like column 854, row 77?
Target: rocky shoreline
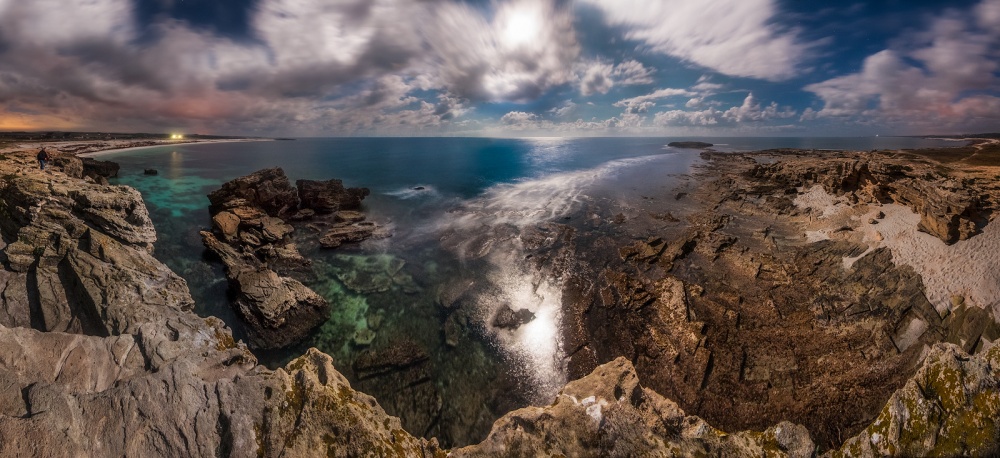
column 103, row 356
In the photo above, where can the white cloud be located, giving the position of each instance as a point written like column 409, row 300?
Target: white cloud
column 58, row 22
column 749, row 112
column 600, row 77
column 518, row 118
column 643, row 103
column 690, row 118
column 565, row 110
column 955, row 68
column 734, row 37
column 528, row 47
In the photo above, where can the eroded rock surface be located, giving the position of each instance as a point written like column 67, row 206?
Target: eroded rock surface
column 279, row 311
column 329, row 196
column 100, row 355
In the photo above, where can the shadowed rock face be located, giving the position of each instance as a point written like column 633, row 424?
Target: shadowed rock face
column 253, row 242
column 127, row 370
column 329, row 196
column 268, row 190
column 279, row 311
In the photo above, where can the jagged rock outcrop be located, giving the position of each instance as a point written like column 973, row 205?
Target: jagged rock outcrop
column 82, row 253
column 279, row 311
column 254, row 243
column 268, row 190
column 97, row 170
column 329, row 196
column 124, row 368
column 949, row 408
column 608, row 413
column 251, row 218
column 950, row 209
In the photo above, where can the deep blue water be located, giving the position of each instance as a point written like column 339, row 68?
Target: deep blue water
column 470, row 185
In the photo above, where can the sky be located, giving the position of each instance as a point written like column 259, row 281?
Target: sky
column 501, row 67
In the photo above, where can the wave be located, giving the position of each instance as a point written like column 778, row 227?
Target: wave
column 415, row 192
column 537, row 200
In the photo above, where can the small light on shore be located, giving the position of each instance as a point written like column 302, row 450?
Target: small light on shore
column 176, row 136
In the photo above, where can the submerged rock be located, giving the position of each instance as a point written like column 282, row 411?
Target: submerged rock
column 507, row 318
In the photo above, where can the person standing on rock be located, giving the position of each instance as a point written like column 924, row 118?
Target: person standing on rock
column 43, row 157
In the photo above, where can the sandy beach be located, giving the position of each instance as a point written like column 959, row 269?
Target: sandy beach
column 95, row 148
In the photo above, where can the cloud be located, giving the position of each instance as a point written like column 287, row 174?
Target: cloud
column 734, row 37
column 566, row 109
column 750, row 111
column 516, row 118
column 600, row 77
column 526, row 48
column 941, row 77
column 643, row 103
column 691, row 118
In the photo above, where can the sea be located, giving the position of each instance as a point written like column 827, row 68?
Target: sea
column 441, row 198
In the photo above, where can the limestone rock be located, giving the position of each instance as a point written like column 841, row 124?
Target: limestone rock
column 330, row 196
column 70, row 165
column 227, row 223
column 117, row 211
column 95, row 168
column 267, row 189
column 608, row 413
column 279, row 311
column 949, row 408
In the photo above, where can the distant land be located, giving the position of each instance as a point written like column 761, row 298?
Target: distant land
column 993, row 135
column 77, row 136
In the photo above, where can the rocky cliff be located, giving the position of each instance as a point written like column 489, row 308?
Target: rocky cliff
column 100, row 355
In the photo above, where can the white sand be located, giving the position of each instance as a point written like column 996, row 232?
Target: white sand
column 168, row 143
column 969, row 268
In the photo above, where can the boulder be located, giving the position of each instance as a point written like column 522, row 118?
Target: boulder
column 275, row 229
column 279, row 311
column 70, row 165
column 507, row 318
column 95, row 168
column 150, row 172
column 329, row 196
column 227, row 224
column 268, row 190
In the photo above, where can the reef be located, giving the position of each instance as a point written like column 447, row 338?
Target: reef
column 101, row 355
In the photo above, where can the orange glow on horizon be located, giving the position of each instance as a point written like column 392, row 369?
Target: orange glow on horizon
column 22, row 122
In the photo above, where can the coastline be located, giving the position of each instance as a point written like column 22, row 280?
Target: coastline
column 105, row 152
column 178, row 356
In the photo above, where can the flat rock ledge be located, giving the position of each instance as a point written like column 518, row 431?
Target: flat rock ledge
column 118, row 365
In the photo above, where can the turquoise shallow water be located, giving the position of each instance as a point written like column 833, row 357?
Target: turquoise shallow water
column 470, row 187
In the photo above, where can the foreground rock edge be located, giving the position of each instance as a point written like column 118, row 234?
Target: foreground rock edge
column 158, row 380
